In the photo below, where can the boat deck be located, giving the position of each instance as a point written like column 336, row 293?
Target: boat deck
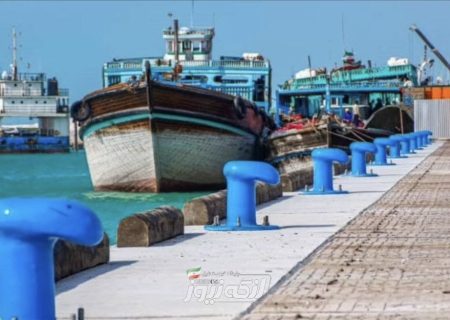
column 148, row 283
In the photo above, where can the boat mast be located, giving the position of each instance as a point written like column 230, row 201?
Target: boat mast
column 175, row 27
column 14, row 54
column 148, row 77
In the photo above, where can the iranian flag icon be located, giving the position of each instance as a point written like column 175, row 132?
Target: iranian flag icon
column 193, row 273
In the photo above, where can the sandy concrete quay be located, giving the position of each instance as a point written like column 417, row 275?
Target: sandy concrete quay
column 229, row 271
column 391, row 262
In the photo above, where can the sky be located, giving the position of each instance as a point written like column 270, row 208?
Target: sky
column 72, row 39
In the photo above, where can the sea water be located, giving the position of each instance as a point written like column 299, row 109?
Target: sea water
column 67, row 176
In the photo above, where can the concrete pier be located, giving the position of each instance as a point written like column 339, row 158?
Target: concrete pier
column 391, row 262
column 238, row 268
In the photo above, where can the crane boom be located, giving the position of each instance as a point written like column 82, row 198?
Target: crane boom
column 430, row 45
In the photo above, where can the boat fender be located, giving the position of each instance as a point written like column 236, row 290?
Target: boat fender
column 239, row 107
column 80, row 111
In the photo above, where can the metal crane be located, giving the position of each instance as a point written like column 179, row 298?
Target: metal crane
column 430, row 45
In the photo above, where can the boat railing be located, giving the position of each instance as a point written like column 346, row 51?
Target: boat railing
column 20, row 92
column 240, row 64
column 31, row 76
column 374, row 73
column 29, row 92
column 203, row 31
column 30, row 110
column 195, row 63
column 132, row 65
column 353, row 86
column 63, row 92
column 243, row 91
column 155, row 63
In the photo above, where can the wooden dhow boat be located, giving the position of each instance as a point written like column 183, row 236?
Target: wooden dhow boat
column 150, row 136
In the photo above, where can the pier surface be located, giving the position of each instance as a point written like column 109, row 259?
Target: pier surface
column 392, row 259
column 391, row 262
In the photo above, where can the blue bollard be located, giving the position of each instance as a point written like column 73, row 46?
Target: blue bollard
column 380, row 155
column 323, row 159
column 429, row 134
column 398, row 148
column 417, row 135
column 404, row 144
column 423, row 138
column 29, row 229
column 412, row 142
column 359, row 150
column 241, row 197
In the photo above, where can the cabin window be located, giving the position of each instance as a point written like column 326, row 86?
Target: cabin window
column 196, row 46
column 112, row 80
column 186, row 45
column 346, row 100
column 259, row 92
column 13, row 102
column 36, row 102
column 15, row 84
column 205, row 46
column 170, row 46
column 45, row 101
column 195, row 78
column 231, row 80
column 21, row 102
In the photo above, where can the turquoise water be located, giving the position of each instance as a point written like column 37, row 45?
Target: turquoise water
column 67, row 175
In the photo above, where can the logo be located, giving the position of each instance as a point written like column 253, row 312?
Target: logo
column 193, row 273
column 211, row 287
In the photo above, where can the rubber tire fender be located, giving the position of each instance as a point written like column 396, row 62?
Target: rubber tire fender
column 80, row 111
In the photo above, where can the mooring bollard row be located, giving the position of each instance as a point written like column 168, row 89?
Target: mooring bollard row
column 359, row 151
column 323, row 159
column 241, row 197
column 381, row 156
column 29, row 229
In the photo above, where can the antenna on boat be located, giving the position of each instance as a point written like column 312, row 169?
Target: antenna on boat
column 343, row 32
column 14, row 66
column 309, row 67
column 192, row 14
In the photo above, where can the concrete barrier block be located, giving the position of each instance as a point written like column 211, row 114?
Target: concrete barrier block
column 201, row 210
column 145, row 229
column 70, row 258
